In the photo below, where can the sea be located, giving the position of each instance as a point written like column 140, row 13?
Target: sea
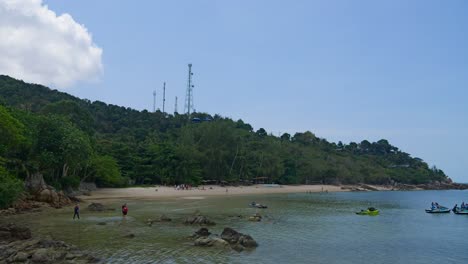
column 296, row 228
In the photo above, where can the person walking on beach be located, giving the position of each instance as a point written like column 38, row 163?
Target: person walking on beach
column 124, row 210
column 77, row 211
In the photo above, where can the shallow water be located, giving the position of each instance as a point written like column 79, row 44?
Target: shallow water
column 297, row 228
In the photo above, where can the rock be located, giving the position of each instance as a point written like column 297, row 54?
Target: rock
column 247, row 241
column 368, row 187
column 69, row 256
column 238, row 240
column 130, row 236
column 164, row 218
column 13, row 232
column 21, row 257
column 237, row 247
column 41, row 255
column 96, row 207
column 210, row 242
column 20, row 247
column 35, row 183
column 203, row 242
column 218, row 242
column 202, row 232
column 198, row 220
column 230, row 235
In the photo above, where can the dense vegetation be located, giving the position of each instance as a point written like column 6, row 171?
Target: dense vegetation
column 69, row 140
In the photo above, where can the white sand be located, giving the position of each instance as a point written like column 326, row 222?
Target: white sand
column 153, row 193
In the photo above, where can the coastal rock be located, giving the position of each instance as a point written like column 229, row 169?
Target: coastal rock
column 202, row 232
column 35, row 183
column 12, row 232
column 42, row 255
column 198, row 220
column 165, row 218
column 162, row 218
column 96, row 207
column 129, row 236
column 210, row 242
column 236, row 239
column 17, row 245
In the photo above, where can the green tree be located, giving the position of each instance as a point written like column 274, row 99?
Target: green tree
column 10, row 188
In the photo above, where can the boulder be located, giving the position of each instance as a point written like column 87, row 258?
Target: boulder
column 230, row 235
column 210, row 242
column 247, row 241
column 20, row 257
column 96, row 207
column 35, row 183
column 198, row 220
column 202, row 232
column 42, row 255
column 11, row 232
column 238, row 240
column 164, row 218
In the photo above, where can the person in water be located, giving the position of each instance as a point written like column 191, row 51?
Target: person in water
column 77, row 211
column 124, row 210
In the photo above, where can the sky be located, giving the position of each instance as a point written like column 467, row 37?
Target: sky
column 345, row 70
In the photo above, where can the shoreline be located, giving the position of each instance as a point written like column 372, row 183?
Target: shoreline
column 158, row 192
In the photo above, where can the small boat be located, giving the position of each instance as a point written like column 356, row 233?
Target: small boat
column 458, row 210
column 256, row 205
column 369, row 211
column 440, row 210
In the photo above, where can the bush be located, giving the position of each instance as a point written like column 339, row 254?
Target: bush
column 70, row 182
column 10, row 188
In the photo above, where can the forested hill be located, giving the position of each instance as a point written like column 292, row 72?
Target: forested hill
column 69, row 140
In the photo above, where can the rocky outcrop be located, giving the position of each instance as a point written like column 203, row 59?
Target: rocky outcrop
column 96, row 207
column 202, row 232
column 211, row 242
column 198, row 220
column 11, row 232
column 42, row 192
column 17, row 245
column 229, row 238
column 238, row 241
column 162, row 218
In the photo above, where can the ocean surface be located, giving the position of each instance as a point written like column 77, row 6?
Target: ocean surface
column 297, row 228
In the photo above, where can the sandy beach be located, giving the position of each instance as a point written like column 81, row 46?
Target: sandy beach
column 156, row 192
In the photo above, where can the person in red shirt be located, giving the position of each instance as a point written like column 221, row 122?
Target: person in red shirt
column 124, row 210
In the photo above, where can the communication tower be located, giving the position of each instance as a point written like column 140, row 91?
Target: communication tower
column 154, row 101
column 164, row 95
column 189, row 108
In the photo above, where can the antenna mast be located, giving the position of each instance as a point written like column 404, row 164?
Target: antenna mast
column 164, row 95
column 154, row 101
column 188, row 108
column 175, row 106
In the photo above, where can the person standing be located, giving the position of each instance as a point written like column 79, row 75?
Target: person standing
column 124, row 210
column 77, row 211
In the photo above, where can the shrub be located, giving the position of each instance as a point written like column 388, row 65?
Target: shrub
column 10, row 188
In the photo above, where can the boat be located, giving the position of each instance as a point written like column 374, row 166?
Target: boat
column 369, row 211
column 256, row 205
column 440, row 210
column 458, row 210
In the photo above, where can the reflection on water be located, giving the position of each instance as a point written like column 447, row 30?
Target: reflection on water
column 297, row 228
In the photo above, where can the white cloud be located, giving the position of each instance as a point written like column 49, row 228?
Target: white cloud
column 38, row 46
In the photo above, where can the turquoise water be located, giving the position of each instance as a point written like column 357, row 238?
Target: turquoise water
column 297, row 228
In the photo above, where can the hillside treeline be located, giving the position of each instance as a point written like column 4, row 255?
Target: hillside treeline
column 69, row 140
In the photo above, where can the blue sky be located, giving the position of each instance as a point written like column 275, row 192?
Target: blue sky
column 345, row 70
